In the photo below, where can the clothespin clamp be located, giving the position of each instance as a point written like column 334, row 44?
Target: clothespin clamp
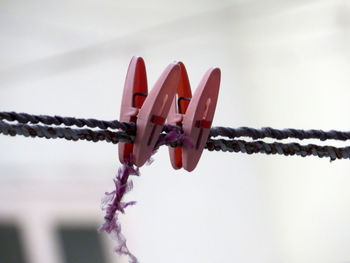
column 194, row 115
column 147, row 111
column 177, row 111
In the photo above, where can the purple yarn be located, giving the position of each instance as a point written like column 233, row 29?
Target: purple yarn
column 113, row 202
column 173, row 135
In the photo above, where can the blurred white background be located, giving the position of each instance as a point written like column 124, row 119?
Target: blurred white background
column 285, row 64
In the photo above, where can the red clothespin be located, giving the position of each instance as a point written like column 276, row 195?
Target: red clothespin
column 194, row 115
column 148, row 111
column 177, row 111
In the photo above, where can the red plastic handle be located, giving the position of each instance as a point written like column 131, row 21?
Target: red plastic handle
column 199, row 116
column 153, row 113
column 134, row 95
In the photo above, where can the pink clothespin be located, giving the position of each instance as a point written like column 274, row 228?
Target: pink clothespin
column 148, row 111
column 177, row 111
column 194, row 115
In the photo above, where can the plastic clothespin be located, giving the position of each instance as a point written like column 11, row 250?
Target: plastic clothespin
column 178, row 109
column 134, row 95
column 148, row 111
column 194, row 115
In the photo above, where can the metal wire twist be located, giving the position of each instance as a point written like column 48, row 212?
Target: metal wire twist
column 25, row 118
column 128, row 135
column 64, row 133
column 70, row 134
column 287, row 149
column 212, row 145
column 231, row 133
column 268, row 132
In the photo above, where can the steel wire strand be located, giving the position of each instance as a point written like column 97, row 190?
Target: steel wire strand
column 242, row 146
column 287, row 149
column 228, row 132
column 25, row 118
column 268, row 132
column 70, row 134
column 63, row 133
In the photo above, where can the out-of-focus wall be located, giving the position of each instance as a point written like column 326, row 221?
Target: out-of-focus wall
column 284, row 64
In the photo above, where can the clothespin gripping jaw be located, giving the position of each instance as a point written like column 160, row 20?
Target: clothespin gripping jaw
column 177, row 111
column 134, row 95
column 199, row 116
column 153, row 113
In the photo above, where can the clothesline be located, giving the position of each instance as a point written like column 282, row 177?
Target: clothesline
column 12, row 123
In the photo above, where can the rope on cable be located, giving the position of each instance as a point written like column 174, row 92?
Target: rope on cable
column 67, row 121
column 128, row 132
column 231, row 133
column 63, row 133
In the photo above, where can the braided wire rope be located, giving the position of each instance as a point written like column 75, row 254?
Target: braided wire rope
column 265, row 132
column 49, row 132
column 25, row 118
column 286, row 149
column 128, row 132
column 70, row 134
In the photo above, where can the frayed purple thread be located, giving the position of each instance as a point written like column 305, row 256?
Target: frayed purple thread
column 112, row 202
column 174, row 134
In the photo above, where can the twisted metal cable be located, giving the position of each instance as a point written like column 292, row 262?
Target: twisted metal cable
column 268, row 132
column 212, row 145
column 70, row 134
column 63, row 133
column 286, row 149
column 25, row 118
column 231, row 133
